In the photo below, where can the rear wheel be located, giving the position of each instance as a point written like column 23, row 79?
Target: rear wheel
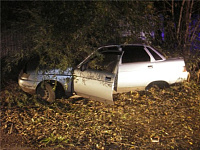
column 157, row 84
column 46, row 92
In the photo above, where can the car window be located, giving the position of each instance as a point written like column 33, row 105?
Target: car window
column 154, row 54
column 106, row 61
column 134, row 54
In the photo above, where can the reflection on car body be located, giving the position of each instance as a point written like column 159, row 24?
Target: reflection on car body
column 112, row 68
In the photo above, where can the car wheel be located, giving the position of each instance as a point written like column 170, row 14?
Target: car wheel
column 46, row 92
column 158, row 85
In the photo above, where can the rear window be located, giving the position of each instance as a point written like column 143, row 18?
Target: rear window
column 154, row 54
column 134, row 54
column 108, row 48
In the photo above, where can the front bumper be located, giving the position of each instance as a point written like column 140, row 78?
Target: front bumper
column 28, row 86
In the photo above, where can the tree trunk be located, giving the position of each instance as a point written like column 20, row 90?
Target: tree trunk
column 179, row 22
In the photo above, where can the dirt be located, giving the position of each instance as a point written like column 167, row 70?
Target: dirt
column 162, row 119
column 16, row 142
column 12, row 141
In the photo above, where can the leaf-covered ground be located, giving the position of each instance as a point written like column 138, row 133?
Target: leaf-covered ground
column 158, row 119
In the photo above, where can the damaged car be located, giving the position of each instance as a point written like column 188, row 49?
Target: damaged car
column 108, row 70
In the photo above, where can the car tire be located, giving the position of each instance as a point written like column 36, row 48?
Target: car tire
column 158, row 85
column 46, row 92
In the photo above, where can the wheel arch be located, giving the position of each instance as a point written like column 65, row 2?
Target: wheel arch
column 59, row 86
column 161, row 84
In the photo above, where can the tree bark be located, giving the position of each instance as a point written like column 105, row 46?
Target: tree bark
column 179, row 22
column 187, row 24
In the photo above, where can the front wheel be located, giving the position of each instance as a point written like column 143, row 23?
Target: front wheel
column 46, row 92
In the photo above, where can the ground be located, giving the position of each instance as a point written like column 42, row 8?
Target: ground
column 158, row 119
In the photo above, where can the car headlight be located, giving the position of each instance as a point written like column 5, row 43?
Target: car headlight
column 25, row 76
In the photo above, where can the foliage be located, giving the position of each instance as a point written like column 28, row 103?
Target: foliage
column 158, row 119
column 180, row 23
column 178, row 31
column 64, row 32
column 61, row 33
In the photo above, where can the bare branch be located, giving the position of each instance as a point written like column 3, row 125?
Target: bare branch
column 173, row 9
column 180, row 17
column 193, row 34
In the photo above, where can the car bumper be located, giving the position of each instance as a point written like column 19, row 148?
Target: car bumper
column 28, row 86
column 183, row 77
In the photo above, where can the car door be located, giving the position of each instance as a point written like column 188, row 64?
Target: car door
column 135, row 69
column 95, row 77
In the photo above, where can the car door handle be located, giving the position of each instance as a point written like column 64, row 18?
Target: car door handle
column 108, row 78
column 150, row 66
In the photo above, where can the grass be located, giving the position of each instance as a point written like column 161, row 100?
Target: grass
column 159, row 119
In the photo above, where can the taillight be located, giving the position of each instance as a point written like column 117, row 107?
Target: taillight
column 184, row 69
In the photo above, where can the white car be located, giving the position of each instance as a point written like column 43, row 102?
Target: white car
column 110, row 69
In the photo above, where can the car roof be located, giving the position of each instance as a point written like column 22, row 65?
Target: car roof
column 107, row 46
column 122, row 45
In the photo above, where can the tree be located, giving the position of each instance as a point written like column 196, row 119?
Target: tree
column 62, row 33
column 181, row 25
